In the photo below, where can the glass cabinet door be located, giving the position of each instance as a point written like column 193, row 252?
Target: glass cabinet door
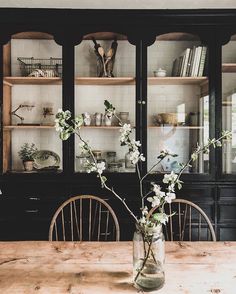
column 109, row 76
column 229, row 105
column 32, row 96
column 178, row 101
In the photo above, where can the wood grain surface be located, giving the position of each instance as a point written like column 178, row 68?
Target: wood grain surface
column 106, row 267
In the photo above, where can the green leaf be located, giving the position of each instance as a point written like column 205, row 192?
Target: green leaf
column 65, row 135
column 78, row 121
column 108, row 106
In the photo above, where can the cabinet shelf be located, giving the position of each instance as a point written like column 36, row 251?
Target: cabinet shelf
column 18, row 127
column 106, row 81
column 103, row 127
column 78, row 81
column 177, row 80
column 32, row 81
column 177, row 127
column 229, row 67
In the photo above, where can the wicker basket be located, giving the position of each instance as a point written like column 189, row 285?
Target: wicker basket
column 169, row 118
column 42, row 67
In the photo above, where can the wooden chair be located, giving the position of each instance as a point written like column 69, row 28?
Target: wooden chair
column 84, row 218
column 188, row 222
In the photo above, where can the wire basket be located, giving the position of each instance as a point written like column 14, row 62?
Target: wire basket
column 40, row 67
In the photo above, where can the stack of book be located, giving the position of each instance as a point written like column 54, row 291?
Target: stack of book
column 191, row 63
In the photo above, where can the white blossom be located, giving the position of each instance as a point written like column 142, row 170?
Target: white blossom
column 154, row 200
column 134, row 156
column 157, row 191
column 142, row 158
column 172, row 177
column 126, row 128
column 142, row 220
column 169, row 197
column 145, row 211
column 101, row 167
column 165, row 152
column 163, row 219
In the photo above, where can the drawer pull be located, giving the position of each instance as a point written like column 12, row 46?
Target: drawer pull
column 34, row 198
column 32, row 211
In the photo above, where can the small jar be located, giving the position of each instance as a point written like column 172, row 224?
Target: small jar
column 82, row 163
column 87, row 118
column 122, row 165
column 128, row 164
column 114, row 167
column 111, row 156
column 97, row 154
column 160, row 72
column 124, row 117
column 98, row 118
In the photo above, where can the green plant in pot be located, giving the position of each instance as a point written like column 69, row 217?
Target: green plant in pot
column 26, row 154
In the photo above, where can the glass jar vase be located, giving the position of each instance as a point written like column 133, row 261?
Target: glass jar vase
column 128, row 163
column 148, row 259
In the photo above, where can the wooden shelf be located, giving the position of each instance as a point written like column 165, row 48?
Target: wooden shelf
column 229, row 67
column 105, row 36
column 177, row 37
column 103, row 127
column 97, row 36
column 105, row 81
column 78, row 81
column 177, row 80
column 32, row 81
column 32, row 35
column 177, row 127
column 23, row 127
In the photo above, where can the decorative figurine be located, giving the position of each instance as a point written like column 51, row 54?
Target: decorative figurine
column 105, row 62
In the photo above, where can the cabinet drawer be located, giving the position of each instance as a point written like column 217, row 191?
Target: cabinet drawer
column 227, row 193
column 227, row 212
column 196, row 193
column 227, row 234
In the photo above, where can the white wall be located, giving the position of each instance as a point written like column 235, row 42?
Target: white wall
column 122, row 4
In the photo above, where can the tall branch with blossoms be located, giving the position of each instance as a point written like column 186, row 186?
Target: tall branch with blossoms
column 67, row 126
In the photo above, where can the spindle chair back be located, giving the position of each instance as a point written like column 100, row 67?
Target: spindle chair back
column 84, row 218
column 187, row 222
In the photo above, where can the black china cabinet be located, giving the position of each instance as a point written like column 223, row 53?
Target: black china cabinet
column 172, row 77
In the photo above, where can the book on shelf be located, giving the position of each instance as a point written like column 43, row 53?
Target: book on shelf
column 184, row 65
column 202, row 61
column 175, row 67
column 196, row 61
column 191, row 63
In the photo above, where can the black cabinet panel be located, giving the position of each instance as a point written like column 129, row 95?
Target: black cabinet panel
column 227, row 233
column 227, row 213
column 228, row 192
column 197, row 193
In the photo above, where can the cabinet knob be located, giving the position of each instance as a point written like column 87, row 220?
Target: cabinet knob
column 34, row 198
column 32, row 211
column 141, row 102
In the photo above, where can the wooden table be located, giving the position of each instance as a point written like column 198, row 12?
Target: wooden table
column 100, row 268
